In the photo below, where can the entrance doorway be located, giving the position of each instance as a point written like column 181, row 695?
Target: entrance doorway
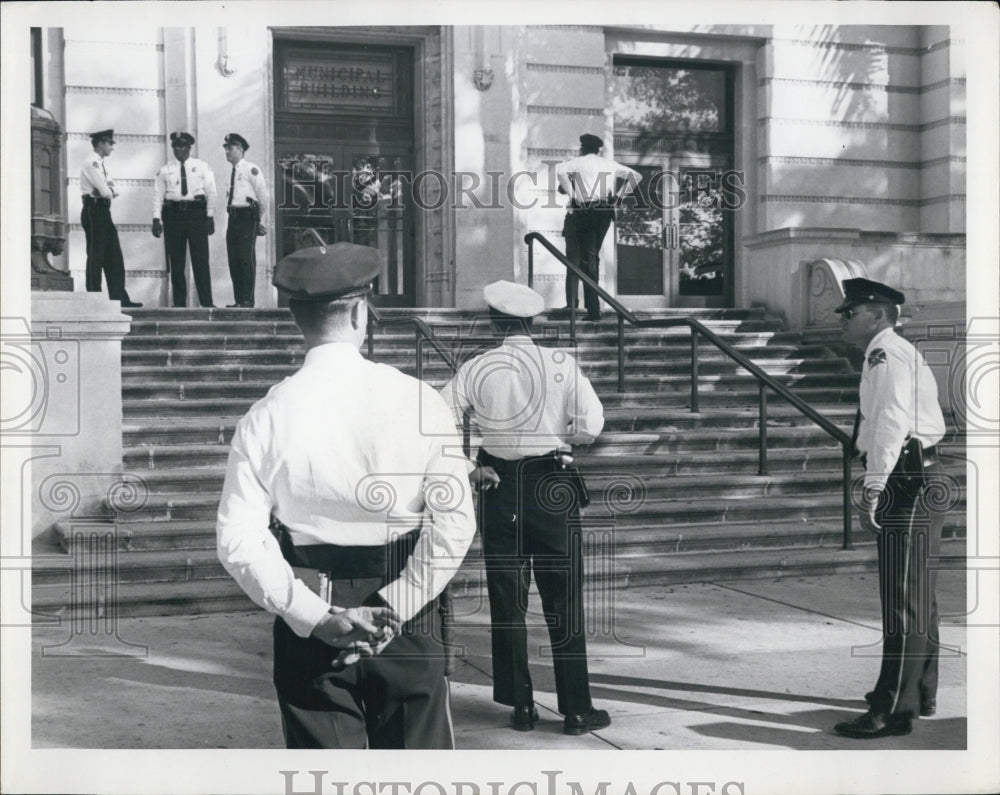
column 674, row 237
column 344, row 141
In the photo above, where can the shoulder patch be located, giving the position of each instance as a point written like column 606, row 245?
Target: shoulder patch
column 95, row 162
column 876, row 357
column 254, row 171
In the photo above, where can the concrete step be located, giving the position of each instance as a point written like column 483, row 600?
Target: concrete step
column 710, row 396
column 120, row 599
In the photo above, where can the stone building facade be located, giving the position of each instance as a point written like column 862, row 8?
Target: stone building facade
column 763, row 148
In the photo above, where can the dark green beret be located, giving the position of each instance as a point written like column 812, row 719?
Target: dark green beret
column 326, row 273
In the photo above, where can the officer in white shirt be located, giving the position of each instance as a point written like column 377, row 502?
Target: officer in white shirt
column 900, row 425
column 531, row 404
column 104, row 250
column 183, row 212
column 591, row 182
column 247, row 201
column 362, row 470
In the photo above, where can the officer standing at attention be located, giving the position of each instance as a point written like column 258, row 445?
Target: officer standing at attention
column 531, row 405
column 104, row 251
column 246, row 204
column 591, row 183
column 183, row 210
column 900, row 426
column 372, row 517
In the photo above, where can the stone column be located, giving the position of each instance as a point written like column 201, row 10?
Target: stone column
column 72, row 355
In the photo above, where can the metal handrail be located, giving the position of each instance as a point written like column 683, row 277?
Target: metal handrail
column 764, row 380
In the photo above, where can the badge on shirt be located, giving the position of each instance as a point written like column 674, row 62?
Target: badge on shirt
column 254, row 171
column 876, row 357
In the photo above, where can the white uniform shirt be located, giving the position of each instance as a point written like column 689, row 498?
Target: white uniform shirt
column 898, row 398
column 528, row 399
column 200, row 182
column 590, row 178
column 248, row 184
column 94, row 176
column 351, row 453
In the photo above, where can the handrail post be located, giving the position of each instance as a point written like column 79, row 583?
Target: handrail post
column 762, row 422
column 848, row 452
column 371, row 335
column 531, row 263
column 420, row 357
column 621, row 353
column 694, row 370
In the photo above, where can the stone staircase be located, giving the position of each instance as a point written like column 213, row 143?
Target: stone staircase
column 676, row 495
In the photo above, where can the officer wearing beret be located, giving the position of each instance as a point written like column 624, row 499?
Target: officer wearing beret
column 372, row 517
column 246, row 204
column 104, row 250
column 183, row 212
column 900, row 424
column 591, row 182
column 531, row 405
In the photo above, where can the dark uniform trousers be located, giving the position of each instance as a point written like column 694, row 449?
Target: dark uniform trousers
column 241, row 245
column 911, row 522
column 530, row 524
column 592, row 221
column 104, row 251
column 184, row 226
column 573, row 255
column 397, row 699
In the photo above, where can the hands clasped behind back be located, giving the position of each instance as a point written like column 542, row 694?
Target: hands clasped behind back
column 357, row 632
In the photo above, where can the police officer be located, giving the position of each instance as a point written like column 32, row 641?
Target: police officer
column 104, row 251
column 900, row 426
column 246, row 204
column 184, row 192
column 591, row 182
column 531, row 405
column 372, row 515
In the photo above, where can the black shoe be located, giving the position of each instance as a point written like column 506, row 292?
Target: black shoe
column 928, row 704
column 873, row 725
column 594, row 317
column 208, row 306
column 588, row 721
column 131, row 305
column 523, row 719
column 234, row 306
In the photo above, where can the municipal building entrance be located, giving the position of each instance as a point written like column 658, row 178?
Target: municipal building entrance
column 344, row 142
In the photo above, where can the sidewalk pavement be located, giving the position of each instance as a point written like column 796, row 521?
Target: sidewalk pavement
column 742, row 664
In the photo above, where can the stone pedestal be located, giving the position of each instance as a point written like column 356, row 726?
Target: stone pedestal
column 70, row 360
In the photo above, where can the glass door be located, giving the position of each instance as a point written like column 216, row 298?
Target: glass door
column 674, row 236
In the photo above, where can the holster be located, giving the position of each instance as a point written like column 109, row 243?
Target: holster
column 909, row 474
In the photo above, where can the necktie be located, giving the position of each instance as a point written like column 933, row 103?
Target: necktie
column 232, row 184
column 184, row 180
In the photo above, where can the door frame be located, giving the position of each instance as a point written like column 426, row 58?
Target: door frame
column 433, row 138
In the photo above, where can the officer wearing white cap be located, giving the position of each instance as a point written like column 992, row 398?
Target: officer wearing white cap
column 183, row 212
column 246, row 204
column 372, row 517
column 591, row 182
column 900, row 424
column 104, row 250
column 531, row 404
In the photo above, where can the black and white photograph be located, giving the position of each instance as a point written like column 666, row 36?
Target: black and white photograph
column 521, row 381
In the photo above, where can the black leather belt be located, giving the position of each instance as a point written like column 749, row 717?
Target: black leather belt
column 236, row 210
column 98, row 200
column 504, row 466
column 348, row 562
column 197, row 203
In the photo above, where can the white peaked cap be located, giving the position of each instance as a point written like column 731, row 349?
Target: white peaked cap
column 514, row 299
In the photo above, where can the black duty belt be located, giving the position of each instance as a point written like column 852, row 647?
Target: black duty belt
column 502, row 466
column 98, row 200
column 348, row 562
column 238, row 210
column 197, row 203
